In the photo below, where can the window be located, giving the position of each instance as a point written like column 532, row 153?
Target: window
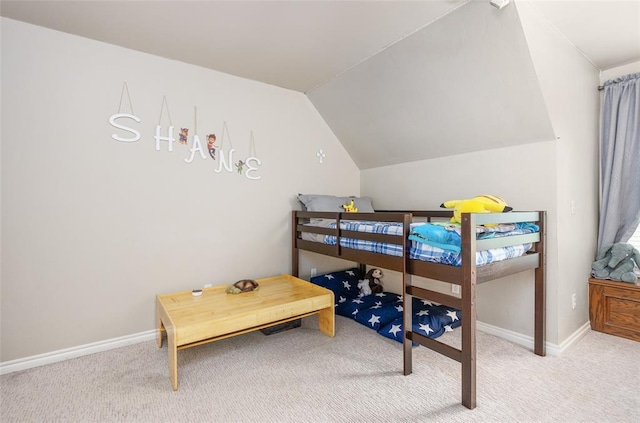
column 635, row 241
column 635, row 238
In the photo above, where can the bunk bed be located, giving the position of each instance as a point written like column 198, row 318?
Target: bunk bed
column 469, row 271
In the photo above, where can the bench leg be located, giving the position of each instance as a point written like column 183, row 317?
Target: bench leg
column 159, row 333
column 327, row 321
column 173, row 358
column 160, row 328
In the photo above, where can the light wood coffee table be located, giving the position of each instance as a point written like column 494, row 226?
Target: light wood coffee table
column 189, row 321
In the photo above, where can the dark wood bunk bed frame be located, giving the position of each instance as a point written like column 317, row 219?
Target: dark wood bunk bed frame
column 466, row 276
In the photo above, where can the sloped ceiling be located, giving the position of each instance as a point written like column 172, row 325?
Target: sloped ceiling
column 396, row 81
column 464, row 83
column 292, row 44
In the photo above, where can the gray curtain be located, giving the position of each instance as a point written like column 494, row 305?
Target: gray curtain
column 619, row 160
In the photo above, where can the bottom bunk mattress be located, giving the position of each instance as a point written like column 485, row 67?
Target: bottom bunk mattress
column 383, row 312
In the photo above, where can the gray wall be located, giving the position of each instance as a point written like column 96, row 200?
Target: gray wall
column 569, row 84
column 613, row 73
column 93, row 229
column 507, row 172
column 551, row 175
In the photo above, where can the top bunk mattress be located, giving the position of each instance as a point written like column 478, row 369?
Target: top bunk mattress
column 433, row 242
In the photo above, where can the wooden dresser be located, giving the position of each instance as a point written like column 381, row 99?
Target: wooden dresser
column 614, row 308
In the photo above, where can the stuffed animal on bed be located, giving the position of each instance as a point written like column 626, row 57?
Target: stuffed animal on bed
column 350, row 208
column 617, row 262
column 373, row 277
column 479, row 204
column 363, row 286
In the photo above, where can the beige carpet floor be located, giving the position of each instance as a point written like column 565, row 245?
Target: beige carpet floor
column 304, row 376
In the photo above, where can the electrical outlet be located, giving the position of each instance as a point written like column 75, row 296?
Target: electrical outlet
column 573, row 301
column 455, row 288
column 208, row 285
column 314, row 271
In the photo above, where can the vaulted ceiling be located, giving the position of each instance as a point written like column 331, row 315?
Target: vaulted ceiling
column 396, row 81
column 464, row 83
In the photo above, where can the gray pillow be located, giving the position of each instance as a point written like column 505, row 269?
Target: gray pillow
column 331, row 203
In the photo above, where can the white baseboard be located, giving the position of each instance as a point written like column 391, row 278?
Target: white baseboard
column 527, row 341
column 74, row 352
column 109, row 344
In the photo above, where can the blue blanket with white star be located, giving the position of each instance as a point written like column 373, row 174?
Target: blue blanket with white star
column 383, row 312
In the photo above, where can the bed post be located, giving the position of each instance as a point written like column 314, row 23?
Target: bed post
column 295, row 254
column 407, row 300
column 540, row 281
column 469, row 310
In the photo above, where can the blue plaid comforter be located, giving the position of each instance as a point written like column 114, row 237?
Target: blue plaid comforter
column 426, row 252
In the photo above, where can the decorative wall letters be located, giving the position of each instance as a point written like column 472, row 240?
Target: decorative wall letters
column 196, row 147
column 196, row 139
column 112, row 119
column 248, row 167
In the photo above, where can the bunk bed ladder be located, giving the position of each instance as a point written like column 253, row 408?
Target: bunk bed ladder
column 466, row 303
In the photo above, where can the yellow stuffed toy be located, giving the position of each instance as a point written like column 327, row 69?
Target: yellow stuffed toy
column 479, row 204
column 350, row 208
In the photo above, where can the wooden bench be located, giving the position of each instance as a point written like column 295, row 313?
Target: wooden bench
column 614, row 308
column 189, row 321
